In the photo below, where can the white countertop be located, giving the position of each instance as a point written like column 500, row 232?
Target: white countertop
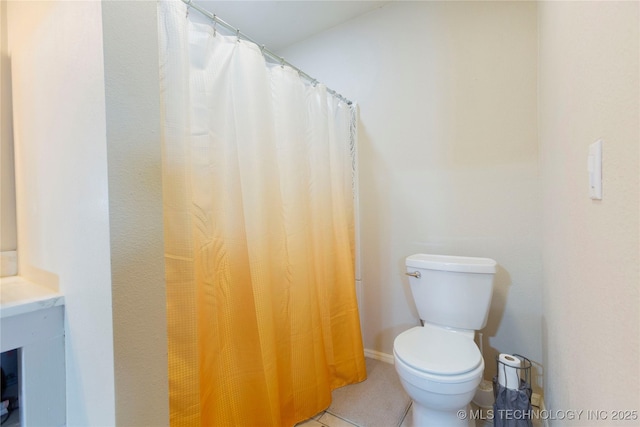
column 19, row 296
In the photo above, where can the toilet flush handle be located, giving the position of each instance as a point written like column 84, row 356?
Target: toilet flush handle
column 415, row 274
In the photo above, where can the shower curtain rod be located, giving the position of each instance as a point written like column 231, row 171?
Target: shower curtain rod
column 264, row 50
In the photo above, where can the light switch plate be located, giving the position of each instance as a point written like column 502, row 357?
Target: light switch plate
column 594, row 167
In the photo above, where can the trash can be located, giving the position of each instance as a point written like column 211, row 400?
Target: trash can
column 512, row 392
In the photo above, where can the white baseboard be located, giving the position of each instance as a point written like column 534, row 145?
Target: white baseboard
column 378, row 355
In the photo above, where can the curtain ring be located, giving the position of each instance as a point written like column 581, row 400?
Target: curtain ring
column 238, row 35
column 215, row 25
column 188, row 7
column 281, row 62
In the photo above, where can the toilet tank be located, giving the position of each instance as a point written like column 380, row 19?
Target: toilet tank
column 452, row 291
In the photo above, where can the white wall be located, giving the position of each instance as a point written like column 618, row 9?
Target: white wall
column 135, row 206
column 89, row 197
column 448, row 153
column 589, row 89
column 61, row 185
column 8, row 238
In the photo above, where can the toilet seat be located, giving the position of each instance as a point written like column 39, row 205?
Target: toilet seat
column 437, row 351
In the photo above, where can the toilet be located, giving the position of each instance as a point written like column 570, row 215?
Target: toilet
column 439, row 364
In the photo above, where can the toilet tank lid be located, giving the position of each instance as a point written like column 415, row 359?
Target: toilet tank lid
column 452, row 263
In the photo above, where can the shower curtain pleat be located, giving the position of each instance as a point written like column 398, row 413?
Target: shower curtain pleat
column 257, row 174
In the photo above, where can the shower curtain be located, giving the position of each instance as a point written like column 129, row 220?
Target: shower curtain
column 259, row 233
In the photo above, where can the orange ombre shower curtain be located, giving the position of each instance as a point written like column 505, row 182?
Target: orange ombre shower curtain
column 259, row 232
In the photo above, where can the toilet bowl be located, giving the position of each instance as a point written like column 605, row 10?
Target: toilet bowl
column 439, row 364
column 440, row 370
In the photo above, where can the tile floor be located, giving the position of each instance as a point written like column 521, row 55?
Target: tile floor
column 326, row 419
column 404, row 418
column 368, row 394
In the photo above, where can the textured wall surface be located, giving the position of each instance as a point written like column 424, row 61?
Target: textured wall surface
column 135, row 212
column 589, row 89
column 8, row 227
column 87, row 141
column 448, row 153
column 61, row 185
